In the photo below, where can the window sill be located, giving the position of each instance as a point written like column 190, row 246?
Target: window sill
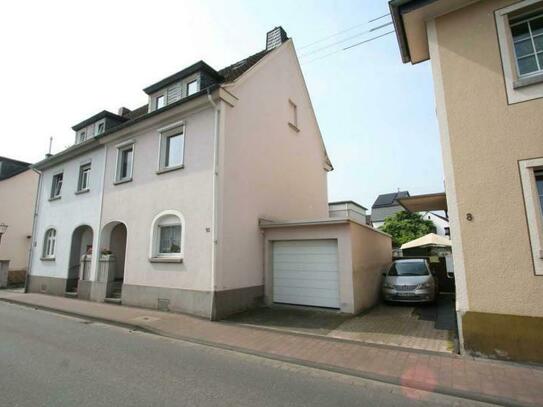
column 47, row 258
column 82, row 191
column 166, row 259
column 55, row 198
column 294, row 127
column 527, row 81
column 122, row 181
column 169, row 169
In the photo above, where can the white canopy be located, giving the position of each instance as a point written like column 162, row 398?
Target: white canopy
column 431, row 239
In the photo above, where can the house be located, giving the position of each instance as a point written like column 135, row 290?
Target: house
column 182, row 204
column 488, row 80
column 18, row 184
column 386, row 205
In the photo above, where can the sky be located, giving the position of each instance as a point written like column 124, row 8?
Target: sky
column 63, row 61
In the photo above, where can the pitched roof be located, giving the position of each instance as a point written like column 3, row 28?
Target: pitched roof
column 96, row 117
column 390, row 199
column 10, row 167
column 234, row 71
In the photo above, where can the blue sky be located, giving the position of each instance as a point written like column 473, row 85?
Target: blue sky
column 376, row 114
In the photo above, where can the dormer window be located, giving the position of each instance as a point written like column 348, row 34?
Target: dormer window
column 82, row 136
column 160, row 102
column 100, row 127
column 192, row 87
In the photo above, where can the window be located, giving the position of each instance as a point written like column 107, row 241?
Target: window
column 172, row 146
column 447, row 231
column 160, row 102
column 293, row 115
column 84, row 174
column 100, row 127
column 539, row 186
column 531, row 175
column 125, row 163
column 527, row 34
column 49, row 244
column 56, row 186
column 192, row 87
column 82, row 136
column 520, row 37
column 167, row 237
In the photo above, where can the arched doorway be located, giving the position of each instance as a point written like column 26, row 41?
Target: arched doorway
column 112, row 258
column 81, row 245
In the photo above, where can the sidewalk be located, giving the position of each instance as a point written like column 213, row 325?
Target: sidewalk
column 483, row 380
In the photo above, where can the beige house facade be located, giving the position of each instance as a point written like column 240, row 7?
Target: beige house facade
column 179, row 191
column 18, row 185
column 488, row 78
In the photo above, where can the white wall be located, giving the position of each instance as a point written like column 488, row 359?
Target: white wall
column 439, row 223
column 187, row 190
column 268, row 169
column 67, row 213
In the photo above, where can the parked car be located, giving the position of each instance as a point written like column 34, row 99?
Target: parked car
column 409, row 280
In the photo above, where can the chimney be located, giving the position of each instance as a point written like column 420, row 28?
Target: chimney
column 275, row 38
column 123, row 111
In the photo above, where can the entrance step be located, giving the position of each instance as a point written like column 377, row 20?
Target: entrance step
column 116, row 301
column 70, row 294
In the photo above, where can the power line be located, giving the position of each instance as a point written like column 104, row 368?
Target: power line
column 371, row 39
column 331, row 36
column 378, row 18
column 346, row 39
column 346, row 48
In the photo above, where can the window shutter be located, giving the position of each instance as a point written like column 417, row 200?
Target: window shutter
column 174, row 93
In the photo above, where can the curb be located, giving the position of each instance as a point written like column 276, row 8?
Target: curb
column 272, row 356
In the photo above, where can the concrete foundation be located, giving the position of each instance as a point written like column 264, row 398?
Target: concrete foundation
column 84, row 288
column 509, row 337
column 4, row 271
column 229, row 302
column 47, row 285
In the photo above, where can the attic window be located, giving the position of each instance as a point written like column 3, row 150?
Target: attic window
column 192, row 87
column 160, row 102
column 82, row 136
column 100, row 127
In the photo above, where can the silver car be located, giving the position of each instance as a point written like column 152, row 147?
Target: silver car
column 409, row 280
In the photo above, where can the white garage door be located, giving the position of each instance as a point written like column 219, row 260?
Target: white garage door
column 305, row 272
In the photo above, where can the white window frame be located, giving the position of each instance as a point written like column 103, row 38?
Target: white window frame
column 163, row 96
column 518, row 88
column 127, row 145
column 85, row 167
column 97, row 126
column 49, row 244
column 52, row 194
column 534, row 214
column 190, row 83
column 82, row 136
column 154, row 254
column 178, row 128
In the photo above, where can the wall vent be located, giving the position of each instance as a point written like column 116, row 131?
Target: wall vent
column 163, row 304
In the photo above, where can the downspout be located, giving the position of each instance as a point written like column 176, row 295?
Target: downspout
column 215, row 199
column 34, row 221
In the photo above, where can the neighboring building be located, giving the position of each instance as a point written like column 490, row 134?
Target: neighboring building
column 386, row 205
column 488, row 77
column 348, row 209
column 18, row 184
column 441, row 223
column 170, row 206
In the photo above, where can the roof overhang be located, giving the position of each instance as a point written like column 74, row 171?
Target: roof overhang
column 410, row 17
column 424, row 203
column 103, row 114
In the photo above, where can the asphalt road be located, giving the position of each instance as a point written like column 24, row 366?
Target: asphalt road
column 53, row 360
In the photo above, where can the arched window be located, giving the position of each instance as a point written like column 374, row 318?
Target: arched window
column 167, row 236
column 49, row 242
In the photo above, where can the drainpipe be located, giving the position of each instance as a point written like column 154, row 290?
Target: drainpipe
column 215, row 199
column 34, row 221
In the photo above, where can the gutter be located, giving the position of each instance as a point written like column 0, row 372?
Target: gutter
column 34, row 222
column 394, row 6
column 215, row 199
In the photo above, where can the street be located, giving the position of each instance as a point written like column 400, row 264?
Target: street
column 50, row 359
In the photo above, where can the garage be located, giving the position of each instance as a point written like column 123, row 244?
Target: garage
column 306, row 272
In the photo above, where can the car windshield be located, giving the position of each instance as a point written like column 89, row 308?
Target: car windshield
column 408, row 269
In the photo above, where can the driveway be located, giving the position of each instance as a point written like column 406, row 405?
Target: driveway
column 425, row 327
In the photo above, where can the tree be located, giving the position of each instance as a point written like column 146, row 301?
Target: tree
column 404, row 227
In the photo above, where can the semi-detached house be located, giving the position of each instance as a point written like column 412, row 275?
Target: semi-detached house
column 174, row 205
